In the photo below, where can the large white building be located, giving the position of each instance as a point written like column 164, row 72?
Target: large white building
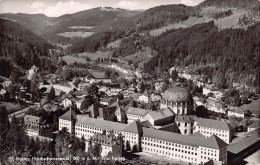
column 208, row 127
column 178, row 99
column 184, row 148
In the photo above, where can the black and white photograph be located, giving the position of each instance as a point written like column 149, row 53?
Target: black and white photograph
column 129, row 82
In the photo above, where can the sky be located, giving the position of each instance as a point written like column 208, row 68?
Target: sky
column 55, row 8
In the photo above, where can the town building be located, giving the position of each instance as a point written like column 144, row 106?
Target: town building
column 86, row 127
column 237, row 112
column 190, row 149
column 110, row 145
column 178, row 99
column 208, row 127
column 143, row 99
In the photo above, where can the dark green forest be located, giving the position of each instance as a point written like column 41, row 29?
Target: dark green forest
column 226, row 56
column 20, row 48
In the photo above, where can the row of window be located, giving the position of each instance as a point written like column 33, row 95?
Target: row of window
column 176, row 156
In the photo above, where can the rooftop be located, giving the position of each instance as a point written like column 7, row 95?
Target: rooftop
column 137, row 111
column 70, row 116
column 216, row 124
column 32, row 122
column 242, row 144
column 161, row 114
column 176, row 94
column 212, row 142
column 98, row 123
column 134, row 127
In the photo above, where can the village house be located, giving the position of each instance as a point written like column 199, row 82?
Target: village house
column 198, row 101
column 155, row 97
column 78, row 103
column 67, row 101
column 105, row 101
column 237, row 112
column 143, row 98
column 34, row 127
column 31, row 72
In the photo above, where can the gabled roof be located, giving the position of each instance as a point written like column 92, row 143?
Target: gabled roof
column 115, row 104
column 216, row 124
column 254, row 133
column 216, row 142
column 243, row 144
column 98, row 123
column 161, row 114
column 70, row 116
column 134, row 127
column 182, row 118
column 211, row 142
column 137, row 111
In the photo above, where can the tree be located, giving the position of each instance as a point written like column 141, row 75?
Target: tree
column 97, row 149
column 92, row 90
column 174, row 75
column 135, row 148
column 76, row 83
column 51, row 94
column 128, row 147
column 120, row 96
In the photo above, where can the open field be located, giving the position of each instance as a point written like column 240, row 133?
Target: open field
column 72, row 59
column 97, row 73
column 81, row 27
column 96, row 55
column 76, row 34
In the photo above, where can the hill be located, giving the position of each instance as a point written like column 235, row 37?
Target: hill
column 20, row 48
column 49, row 28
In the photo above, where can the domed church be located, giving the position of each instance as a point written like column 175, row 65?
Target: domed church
column 178, row 99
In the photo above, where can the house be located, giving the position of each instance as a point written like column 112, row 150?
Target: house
column 31, row 72
column 110, row 145
column 160, row 117
column 78, row 103
column 143, row 99
column 215, row 107
column 134, row 114
column 32, row 124
column 83, row 85
column 66, row 102
column 208, row 127
column 155, row 97
column 105, row 101
column 35, row 127
column 158, row 85
column 255, row 125
column 68, row 120
column 237, row 112
column 113, row 91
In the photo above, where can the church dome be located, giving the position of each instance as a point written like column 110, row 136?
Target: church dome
column 176, row 94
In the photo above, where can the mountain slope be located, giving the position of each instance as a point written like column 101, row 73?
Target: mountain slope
column 21, row 48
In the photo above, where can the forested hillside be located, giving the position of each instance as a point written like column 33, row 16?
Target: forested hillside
column 151, row 19
column 20, row 48
column 226, row 56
